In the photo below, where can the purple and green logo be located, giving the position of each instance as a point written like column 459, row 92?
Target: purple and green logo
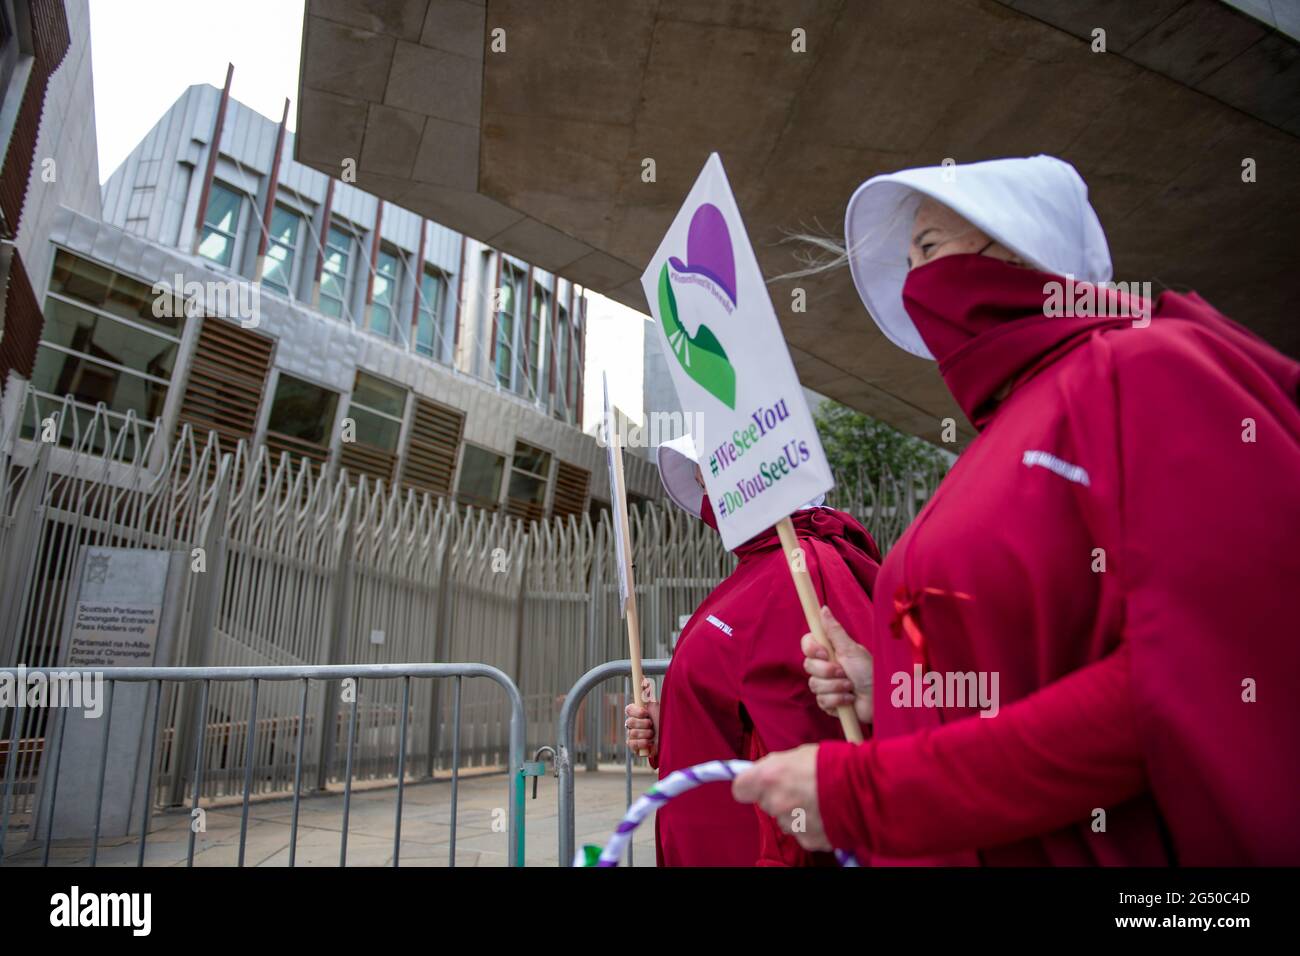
column 711, row 264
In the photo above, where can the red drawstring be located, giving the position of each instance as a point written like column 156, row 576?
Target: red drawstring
column 905, row 602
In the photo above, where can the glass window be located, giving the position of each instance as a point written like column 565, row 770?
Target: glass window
column 576, row 367
column 95, row 285
column 108, row 340
column 538, row 331
column 302, row 410
column 479, row 482
column 58, row 373
column 281, row 248
column 530, row 470
column 383, row 301
column 430, row 335
column 377, row 408
column 562, row 361
column 507, row 312
column 221, row 224
column 336, row 273
column 101, row 343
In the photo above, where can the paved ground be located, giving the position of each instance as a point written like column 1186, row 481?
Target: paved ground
column 426, row 830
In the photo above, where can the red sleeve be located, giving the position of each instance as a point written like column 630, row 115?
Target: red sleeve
column 774, row 686
column 1042, row 763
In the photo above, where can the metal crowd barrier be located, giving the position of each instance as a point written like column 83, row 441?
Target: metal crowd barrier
column 565, row 748
column 158, row 675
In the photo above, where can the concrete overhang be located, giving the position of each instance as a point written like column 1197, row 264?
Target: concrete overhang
column 539, row 149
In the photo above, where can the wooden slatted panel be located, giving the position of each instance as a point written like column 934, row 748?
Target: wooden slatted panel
column 362, row 459
column 524, row 510
column 226, row 382
column 431, row 447
column 570, row 490
column 277, row 442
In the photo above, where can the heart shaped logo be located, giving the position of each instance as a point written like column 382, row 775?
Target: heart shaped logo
column 710, row 262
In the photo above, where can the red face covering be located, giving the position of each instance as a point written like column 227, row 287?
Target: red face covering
column 957, row 299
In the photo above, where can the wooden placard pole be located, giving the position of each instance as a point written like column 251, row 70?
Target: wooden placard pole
column 803, row 584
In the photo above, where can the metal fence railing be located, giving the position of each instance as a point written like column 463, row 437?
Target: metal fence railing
column 566, row 746
column 147, row 710
column 298, row 565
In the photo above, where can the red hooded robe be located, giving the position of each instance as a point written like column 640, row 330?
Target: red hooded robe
column 736, row 687
column 1159, row 686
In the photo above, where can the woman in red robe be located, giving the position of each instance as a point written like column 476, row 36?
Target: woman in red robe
column 1117, row 547
column 736, row 687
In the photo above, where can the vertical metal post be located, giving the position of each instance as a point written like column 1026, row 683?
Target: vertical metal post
column 297, row 773
column 455, row 767
column 207, row 599
column 149, row 775
column 54, row 787
column 268, row 208
column 250, row 741
column 326, row 212
column 444, row 616
column 595, row 618
column 347, row 786
column 401, row 769
column 516, row 844
column 214, row 147
column 521, row 621
column 201, row 728
column 103, row 770
column 341, row 625
column 11, row 765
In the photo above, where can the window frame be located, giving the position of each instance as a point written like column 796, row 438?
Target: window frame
column 441, row 346
column 458, row 494
column 399, row 419
column 392, row 306
column 178, row 341
column 518, row 279
column 560, row 387
column 539, row 322
column 238, row 225
column 345, row 278
column 293, row 258
column 268, row 407
column 547, row 479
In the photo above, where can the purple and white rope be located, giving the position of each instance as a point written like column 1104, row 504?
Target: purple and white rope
column 674, row 785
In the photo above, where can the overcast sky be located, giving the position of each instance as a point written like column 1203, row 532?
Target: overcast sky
column 145, row 53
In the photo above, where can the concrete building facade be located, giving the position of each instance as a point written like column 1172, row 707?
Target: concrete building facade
column 235, row 290
column 47, row 162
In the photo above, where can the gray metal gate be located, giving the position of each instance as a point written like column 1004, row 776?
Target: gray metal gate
column 255, row 678
column 566, row 748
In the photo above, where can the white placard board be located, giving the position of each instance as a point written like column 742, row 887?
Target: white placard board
column 759, row 450
column 617, row 499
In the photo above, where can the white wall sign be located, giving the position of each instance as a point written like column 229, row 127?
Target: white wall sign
column 759, row 451
column 118, row 608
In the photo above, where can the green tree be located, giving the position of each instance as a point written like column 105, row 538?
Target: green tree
column 856, row 444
